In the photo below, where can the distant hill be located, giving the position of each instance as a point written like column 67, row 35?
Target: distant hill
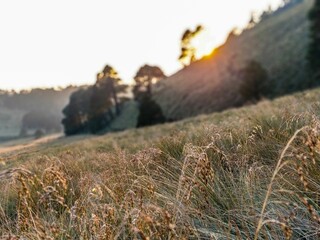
column 279, row 42
column 14, row 106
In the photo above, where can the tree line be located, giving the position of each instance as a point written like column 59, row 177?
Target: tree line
column 92, row 109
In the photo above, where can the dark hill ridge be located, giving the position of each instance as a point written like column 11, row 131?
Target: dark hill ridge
column 279, row 43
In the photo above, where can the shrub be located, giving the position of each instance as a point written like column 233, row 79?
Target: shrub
column 38, row 134
column 253, row 81
column 150, row 112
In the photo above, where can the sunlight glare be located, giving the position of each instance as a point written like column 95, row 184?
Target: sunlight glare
column 204, row 43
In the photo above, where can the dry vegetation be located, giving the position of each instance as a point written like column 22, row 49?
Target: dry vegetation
column 250, row 173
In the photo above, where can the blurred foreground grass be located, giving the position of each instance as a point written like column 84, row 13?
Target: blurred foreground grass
column 248, row 173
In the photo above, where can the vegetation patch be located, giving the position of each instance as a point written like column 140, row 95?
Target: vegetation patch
column 200, row 178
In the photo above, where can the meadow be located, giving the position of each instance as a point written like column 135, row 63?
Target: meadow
column 247, row 173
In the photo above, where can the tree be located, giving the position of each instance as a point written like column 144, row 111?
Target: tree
column 253, row 20
column 77, row 112
column 92, row 109
column 188, row 52
column 145, row 78
column 111, row 78
column 100, row 114
column 266, row 14
column 314, row 47
column 253, row 81
column 105, row 98
column 150, row 112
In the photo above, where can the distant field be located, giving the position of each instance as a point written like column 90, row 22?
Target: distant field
column 18, row 144
column 137, row 139
column 248, row 173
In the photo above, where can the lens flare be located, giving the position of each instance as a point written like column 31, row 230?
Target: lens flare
column 204, row 44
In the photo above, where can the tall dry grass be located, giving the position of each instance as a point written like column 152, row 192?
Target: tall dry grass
column 243, row 178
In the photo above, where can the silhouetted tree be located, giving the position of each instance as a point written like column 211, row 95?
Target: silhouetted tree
column 77, row 112
column 314, row 47
column 104, row 98
column 145, row 78
column 150, row 112
column 92, row 109
column 100, row 114
column 266, row 14
column 188, row 52
column 253, row 81
column 253, row 20
column 116, row 85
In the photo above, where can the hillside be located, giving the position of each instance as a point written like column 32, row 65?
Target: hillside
column 201, row 178
column 279, row 43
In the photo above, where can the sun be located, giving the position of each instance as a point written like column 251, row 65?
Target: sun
column 203, row 43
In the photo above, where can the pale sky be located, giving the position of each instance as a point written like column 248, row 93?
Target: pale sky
column 57, row 43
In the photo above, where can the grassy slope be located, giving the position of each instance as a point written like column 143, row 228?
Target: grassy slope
column 128, row 118
column 210, row 84
column 201, row 177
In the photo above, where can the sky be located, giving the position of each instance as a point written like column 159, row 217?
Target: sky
column 57, row 43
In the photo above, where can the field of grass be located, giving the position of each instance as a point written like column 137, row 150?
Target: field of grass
column 211, row 84
column 248, row 173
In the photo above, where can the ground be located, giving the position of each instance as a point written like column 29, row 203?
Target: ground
column 247, row 173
